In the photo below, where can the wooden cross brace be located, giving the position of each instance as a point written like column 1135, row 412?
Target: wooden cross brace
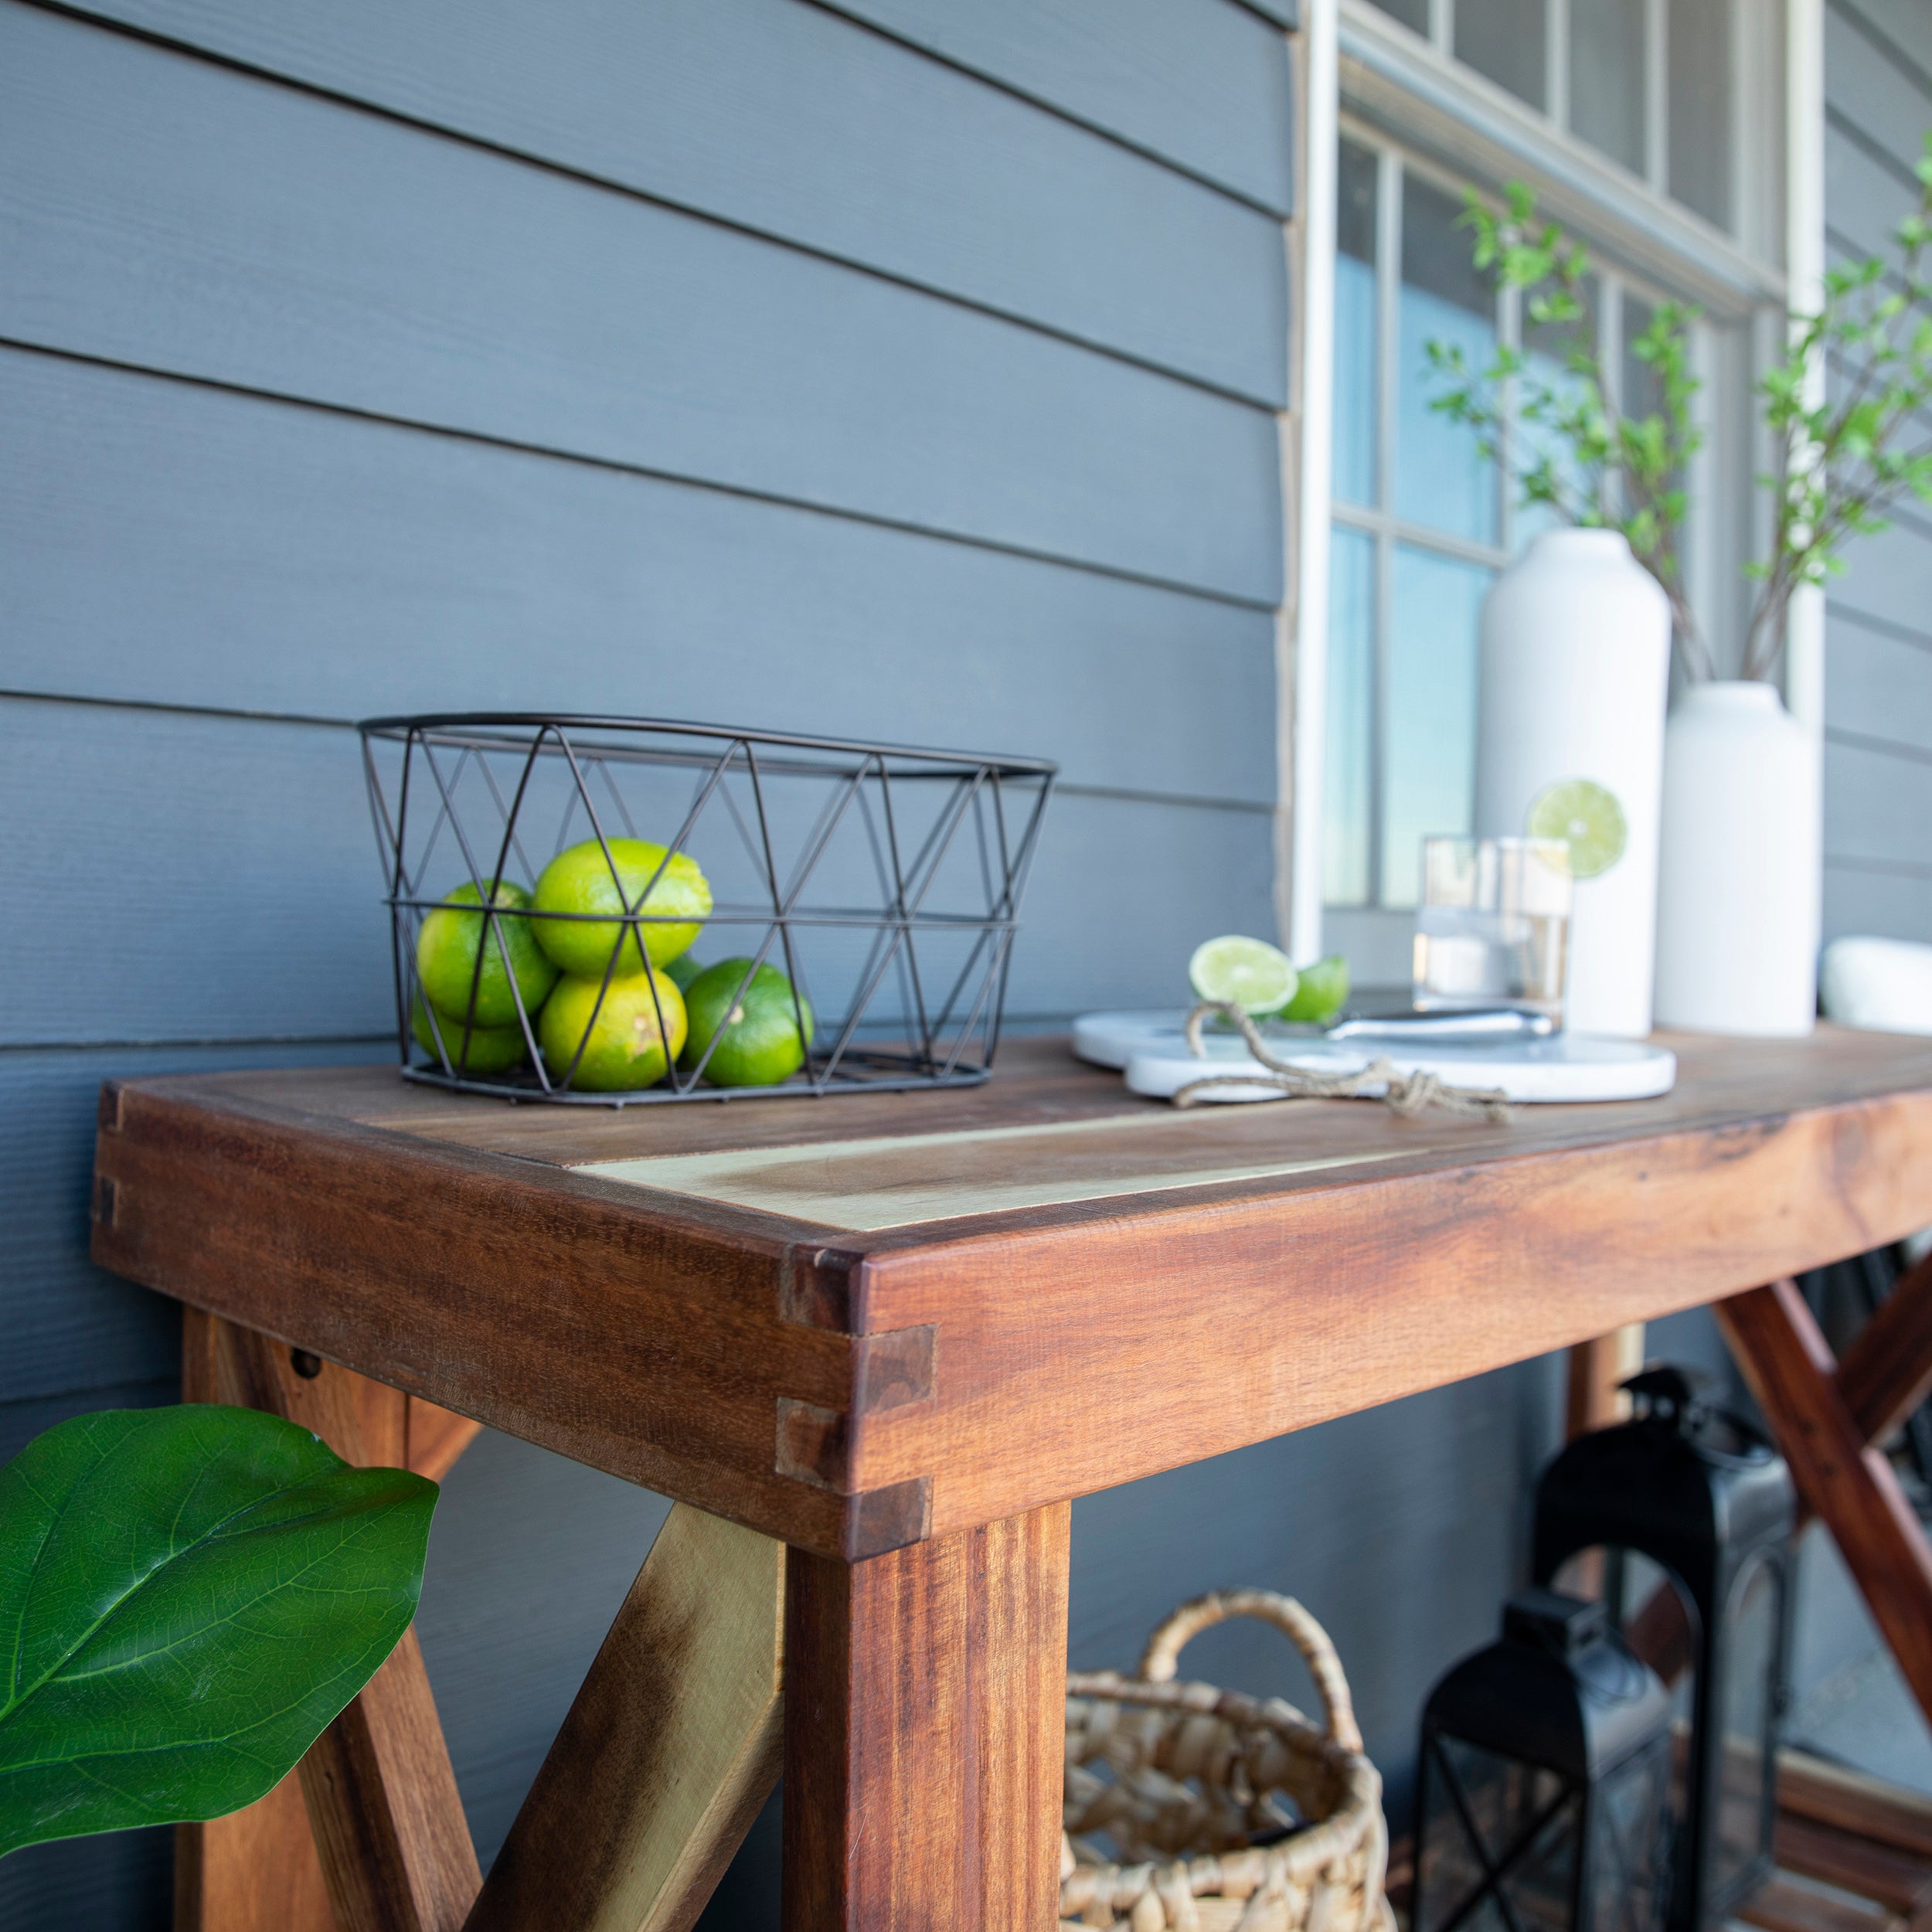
column 927, row 1686
column 1831, row 1419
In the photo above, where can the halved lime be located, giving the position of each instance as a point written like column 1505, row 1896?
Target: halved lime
column 1322, row 993
column 1587, row 816
column 1247, row 973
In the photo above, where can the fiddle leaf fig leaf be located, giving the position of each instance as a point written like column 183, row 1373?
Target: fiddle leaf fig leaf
column 187, row 1597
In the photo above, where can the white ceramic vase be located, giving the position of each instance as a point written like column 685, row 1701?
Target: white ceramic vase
column 1737, row 930
column 1576, row 673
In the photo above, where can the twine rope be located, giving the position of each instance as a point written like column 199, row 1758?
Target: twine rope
column 1406, row 1094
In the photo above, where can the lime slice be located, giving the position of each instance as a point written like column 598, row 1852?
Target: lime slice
column 1587, row 815
column 1247, row 973
column 1322, row 993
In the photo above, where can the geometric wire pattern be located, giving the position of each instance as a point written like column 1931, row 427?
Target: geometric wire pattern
column 883, row 881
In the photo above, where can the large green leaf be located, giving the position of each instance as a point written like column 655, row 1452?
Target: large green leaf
column 187, row 1597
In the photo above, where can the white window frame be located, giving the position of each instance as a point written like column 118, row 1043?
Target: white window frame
column 1389, row 79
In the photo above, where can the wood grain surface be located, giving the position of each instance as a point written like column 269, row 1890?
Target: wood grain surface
column 751, row 1363
column 673, row 1745
column 925, row 1698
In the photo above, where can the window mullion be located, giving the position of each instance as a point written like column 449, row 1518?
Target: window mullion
column 1509, row 333
column 1556, row 60
column 1656, row 97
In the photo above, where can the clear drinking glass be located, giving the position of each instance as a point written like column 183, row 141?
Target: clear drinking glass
column 1493, row 926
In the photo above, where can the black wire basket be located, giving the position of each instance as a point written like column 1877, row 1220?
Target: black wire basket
column 855, row 906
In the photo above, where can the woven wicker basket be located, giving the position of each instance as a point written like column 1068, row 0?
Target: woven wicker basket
column 1192, row 1776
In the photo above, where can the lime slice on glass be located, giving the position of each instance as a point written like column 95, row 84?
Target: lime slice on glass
column 1322, row 992
column 1587, row 816
column 1247, row 973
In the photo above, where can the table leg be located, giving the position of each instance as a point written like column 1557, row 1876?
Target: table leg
column 925, row 1716
column 1824, row 1417
column 1595, row 1400
column 666, row 1754
column 376, row 1787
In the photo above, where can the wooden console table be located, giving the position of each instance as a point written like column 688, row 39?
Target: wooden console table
column 872, row 1346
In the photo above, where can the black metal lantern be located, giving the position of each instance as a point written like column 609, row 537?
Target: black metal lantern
column 1702, row 1493
column 1543, row 1800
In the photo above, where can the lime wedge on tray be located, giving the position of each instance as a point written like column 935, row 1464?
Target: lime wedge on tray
column 1587, row 815
column 1247, row 973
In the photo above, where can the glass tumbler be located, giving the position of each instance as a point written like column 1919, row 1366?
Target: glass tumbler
column 1492, row 927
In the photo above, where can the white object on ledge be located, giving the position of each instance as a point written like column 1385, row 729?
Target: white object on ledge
column 1575, row 672
column 1737, row 921
column 1882, row 984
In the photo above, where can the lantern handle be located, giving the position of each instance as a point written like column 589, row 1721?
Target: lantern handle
column 1164, row 1647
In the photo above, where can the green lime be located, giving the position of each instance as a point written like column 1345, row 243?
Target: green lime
column 491, row 1049
column 1247, row 973
column 626, row 1046
column 760, row 1045
column 447, row 948
column 1322, row 992
column 1587, row 815
column 683, row 970
column 582, row 880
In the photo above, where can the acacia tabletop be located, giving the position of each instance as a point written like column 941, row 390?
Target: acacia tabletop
column 859, row 1322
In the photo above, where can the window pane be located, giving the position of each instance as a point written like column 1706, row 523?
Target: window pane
column 1355, row 326
column 1643, row 389
column 1549, row 348
column 1504, row 38
column 1429, row 744
column 1442, row 480
column 1348, row 764
column 1699, row 61
column 1411, row 13
column 1607, row 78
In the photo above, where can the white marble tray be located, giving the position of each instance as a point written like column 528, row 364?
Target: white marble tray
column 1151, row 1048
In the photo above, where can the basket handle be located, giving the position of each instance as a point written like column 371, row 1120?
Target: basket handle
column 1163, row 1651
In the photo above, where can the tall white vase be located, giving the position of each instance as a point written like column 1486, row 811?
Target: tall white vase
column 1738, row 907
column 1575, row 672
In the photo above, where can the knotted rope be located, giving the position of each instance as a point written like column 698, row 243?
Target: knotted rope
column 1407, row 1094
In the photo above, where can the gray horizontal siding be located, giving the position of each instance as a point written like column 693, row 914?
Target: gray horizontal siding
column 1903, row 27
column 70, row 1327
column 1877, row 756
column 1878, row 799
column 217, row 877
column 798, row 124
column 1884, row 583
column 162, row 212
column 1881, row 684
column 1875, row 98
column 1205, row 85
column 742, row 358
column 305, row 562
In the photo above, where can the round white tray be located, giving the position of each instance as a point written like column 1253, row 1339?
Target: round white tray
column 1151, row 1048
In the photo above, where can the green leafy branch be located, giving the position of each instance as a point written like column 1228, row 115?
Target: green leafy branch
column 1844, row 463
column 1625, row 470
